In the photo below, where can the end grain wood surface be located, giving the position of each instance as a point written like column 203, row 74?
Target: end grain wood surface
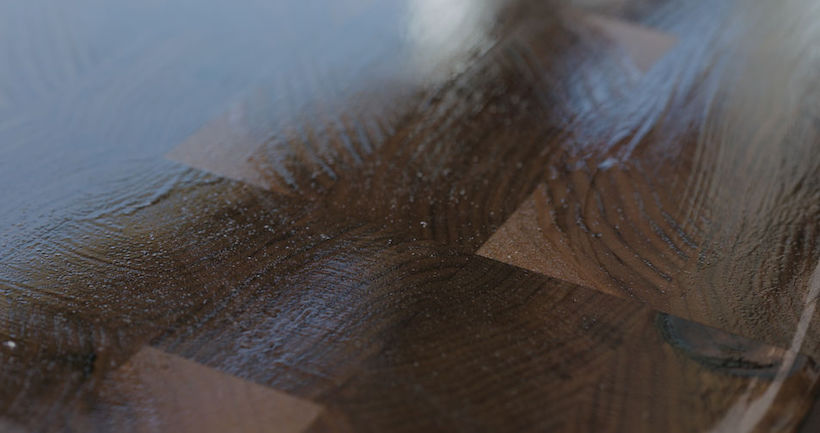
column 410, row 215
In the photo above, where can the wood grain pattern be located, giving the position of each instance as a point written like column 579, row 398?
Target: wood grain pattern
column 400, row 334
column 668, row 214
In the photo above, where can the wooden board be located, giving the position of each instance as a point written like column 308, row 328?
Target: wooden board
column 451, row 216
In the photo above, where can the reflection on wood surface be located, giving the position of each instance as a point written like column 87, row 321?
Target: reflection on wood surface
column 154, row 390
column 415, row 215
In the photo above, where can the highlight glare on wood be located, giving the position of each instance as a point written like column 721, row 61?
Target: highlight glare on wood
column 417, row 216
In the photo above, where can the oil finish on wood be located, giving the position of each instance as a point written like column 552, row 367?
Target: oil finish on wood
column 410, row 215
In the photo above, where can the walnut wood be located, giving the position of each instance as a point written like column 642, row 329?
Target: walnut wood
column 502, row 222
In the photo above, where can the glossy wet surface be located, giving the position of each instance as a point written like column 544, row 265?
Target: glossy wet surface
column 410, row 215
